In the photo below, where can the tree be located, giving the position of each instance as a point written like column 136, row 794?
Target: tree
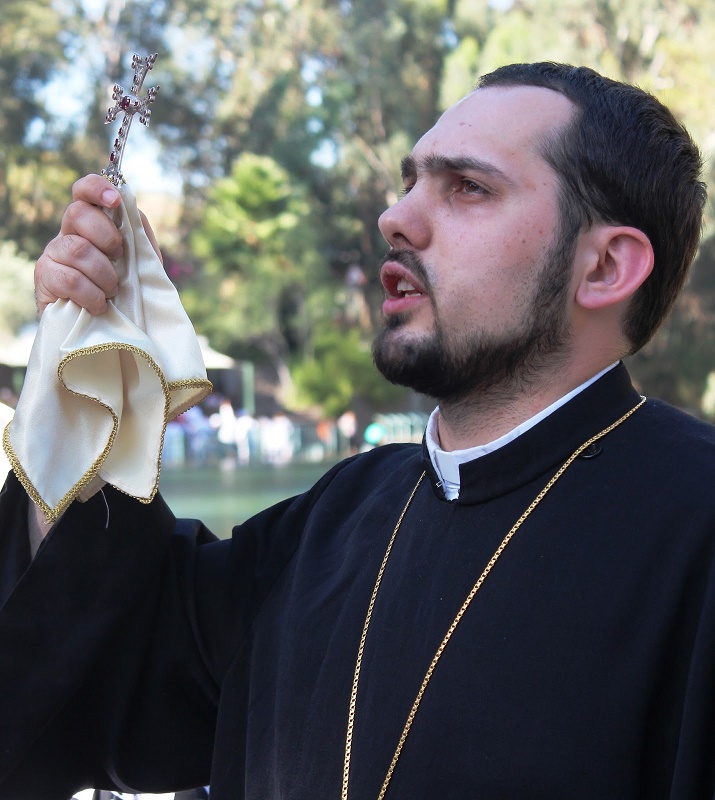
column 333, row 94
column 257, row 244
column 339, row 373
column 17, row 298
column 29, row 49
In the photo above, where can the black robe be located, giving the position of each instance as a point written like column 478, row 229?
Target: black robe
column 138, row 652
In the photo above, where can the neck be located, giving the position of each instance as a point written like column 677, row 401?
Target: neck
column 485, row 416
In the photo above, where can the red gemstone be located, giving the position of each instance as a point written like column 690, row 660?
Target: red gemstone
column 125, row 102
column 111, row 156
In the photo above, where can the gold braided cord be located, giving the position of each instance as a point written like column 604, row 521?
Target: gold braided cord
column 361, row 647
column 465, row 605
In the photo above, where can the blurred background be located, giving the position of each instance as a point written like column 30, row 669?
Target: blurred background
column 274, row 145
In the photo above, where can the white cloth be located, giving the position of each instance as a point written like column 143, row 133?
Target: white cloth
column 446, row 462
column 100, row 390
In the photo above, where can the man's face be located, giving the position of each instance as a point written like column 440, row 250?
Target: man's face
column 477, row 278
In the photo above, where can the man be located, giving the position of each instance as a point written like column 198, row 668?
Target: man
column 523, row 608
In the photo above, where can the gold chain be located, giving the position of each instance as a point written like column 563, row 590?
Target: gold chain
column 465, row 605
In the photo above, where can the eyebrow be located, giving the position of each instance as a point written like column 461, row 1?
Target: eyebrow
column 435, row 163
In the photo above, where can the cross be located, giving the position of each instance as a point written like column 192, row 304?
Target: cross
column 130, row 104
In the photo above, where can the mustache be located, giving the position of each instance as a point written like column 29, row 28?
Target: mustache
column 411, row 261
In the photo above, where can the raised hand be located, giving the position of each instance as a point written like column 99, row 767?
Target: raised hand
column 77, row 263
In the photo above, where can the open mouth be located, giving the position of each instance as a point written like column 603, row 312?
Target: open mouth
column 403, row 293
column 405, row 289
column 399, row 283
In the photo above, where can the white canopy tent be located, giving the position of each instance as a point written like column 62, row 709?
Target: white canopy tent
column 15, row 351
column 212, row 358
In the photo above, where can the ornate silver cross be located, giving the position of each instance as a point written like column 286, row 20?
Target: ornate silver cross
column 130, row 104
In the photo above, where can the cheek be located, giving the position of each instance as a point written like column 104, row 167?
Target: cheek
column 488, row 274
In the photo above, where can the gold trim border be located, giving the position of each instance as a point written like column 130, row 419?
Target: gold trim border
column 204, row 386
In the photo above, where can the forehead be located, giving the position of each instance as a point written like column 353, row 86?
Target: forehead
column 504, row 125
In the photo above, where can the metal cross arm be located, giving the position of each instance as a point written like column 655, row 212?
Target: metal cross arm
column 129, row 104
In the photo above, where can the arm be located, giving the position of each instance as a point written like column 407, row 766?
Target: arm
column 78, row 264
column 98, row 614
column 83, row 619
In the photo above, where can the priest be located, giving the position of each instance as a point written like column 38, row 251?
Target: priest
column 522, row 607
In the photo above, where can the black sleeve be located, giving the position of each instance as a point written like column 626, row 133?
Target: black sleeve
column 74, row 637
column 14, row 539
column 115, row 640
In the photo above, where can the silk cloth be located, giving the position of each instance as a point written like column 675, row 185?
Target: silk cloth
column 100, row 390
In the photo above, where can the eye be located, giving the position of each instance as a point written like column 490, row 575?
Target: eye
column 406, row 189
column 469, row 186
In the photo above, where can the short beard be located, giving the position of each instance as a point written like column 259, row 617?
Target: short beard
column 484, row 366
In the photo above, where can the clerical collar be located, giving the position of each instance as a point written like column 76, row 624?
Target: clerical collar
column 446, row 463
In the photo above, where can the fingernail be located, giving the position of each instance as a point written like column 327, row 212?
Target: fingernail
column 109, row 196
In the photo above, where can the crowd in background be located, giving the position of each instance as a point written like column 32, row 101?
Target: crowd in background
column 230, row 438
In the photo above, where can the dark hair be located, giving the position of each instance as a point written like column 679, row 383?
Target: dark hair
column 625, row 160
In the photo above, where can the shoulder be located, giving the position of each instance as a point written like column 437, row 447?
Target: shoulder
column 366, row 475
column 670, row 427
column 665, row 450
column 378, row 463
column 345, row 486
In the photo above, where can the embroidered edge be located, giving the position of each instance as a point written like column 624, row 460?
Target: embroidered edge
column 204, row 386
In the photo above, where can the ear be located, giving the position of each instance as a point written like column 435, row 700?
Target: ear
column 615, row 260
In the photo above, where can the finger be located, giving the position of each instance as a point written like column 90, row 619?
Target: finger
column 71, row 268
column 97, row 191
column 151, row 235
column 89, row 222
column 63, row 283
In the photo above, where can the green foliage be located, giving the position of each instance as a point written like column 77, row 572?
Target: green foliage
column 287, row 120
column 29, row 48
column 37, row 187
column 17, row 296
column 339, row 371
column 459, row 70
column 256, row 244
column 676, row 366
column 662, row 45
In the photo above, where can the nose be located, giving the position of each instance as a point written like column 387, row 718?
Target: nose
column 406, row 223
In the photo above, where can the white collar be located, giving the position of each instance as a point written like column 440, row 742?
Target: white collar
column 446, row 463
